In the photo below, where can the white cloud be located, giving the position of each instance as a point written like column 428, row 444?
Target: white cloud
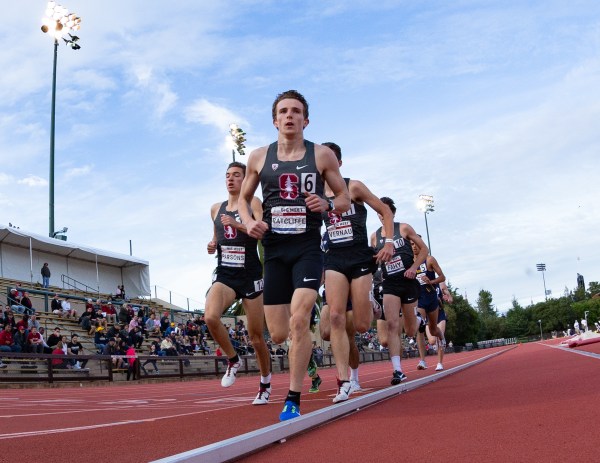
column 76, row 172
column 33, row 181
column 204, row 112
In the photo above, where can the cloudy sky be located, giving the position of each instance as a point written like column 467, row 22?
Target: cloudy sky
column 492, row 107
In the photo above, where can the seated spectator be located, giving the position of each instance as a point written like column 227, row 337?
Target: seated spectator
column 168, row 347
column 85, row 321
column 113, row 331
column 56, row 305
column 65, row 309
column 10, row 320
column 7, row 341
column 135, row 337
column 75, row 348
column 153, row 325
column 33, row 322
column 35, row 343
column 47, row 349
column 165, row 322
column 124, row 314
column 100, row 339
column 26, row 302
column 21, row 339
column 111, row 313
column 58, row 351
column 98, row 317
column 153, row 353
column 24, row 322
column 111, row 349
column 170, row 329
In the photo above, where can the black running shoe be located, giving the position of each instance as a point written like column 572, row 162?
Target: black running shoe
column 398, row 377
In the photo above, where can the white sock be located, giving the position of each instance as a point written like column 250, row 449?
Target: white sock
column 265, row 379
column 396, row 363
column 354, row 374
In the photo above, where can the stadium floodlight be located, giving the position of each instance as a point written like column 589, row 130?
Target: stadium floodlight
column 57, row 22
column 425, row 205
column 542, row 268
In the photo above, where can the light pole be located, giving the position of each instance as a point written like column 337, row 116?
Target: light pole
column 425, row 205
column 238, row 137
column 542, row 268
column 57, row 23
column 541, row 334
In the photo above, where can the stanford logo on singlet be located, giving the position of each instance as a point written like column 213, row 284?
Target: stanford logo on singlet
column 288, row 186
column 229, row 232
column 333, row 218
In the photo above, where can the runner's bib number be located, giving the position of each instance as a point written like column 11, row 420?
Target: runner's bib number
column 288, row 220
column 395, row 265
column 340, row 232
column 233, row 256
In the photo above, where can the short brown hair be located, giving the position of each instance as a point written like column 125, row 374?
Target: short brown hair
column 240, row 165
column 291, row 94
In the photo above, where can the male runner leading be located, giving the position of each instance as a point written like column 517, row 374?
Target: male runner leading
column 292, row 172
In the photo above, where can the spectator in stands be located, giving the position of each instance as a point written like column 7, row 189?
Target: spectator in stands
column 280, row 351
column 98, row 316
column 132, row 363
column 111, row 313
column 75, row 348
column 113, row 331
column 54, row 338
column 66, row 310
column 45, row 275
column 124, row 314
column 26, row 302
column 58, row 351
column 170, row 329
column 56, row 305
column 59, row 363
column 85, row 321
column 100, row 339
column 123, row 332
column 6, row 311
column 165, row 322
column 154, row 347
column 120, row 294
column 153, row 325
column 34, row 322
column 111, row 349
column 10, row 320
column 168, row 347
column 7, row 340
column 318, row 353
column 47, row 349
column 21, row 338
column 24, row 322
column 135, row 338
column 35, row 343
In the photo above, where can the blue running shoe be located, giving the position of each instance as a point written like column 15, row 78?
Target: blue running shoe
column 290, row 411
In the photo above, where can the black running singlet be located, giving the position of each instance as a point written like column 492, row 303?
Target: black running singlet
column 403, row 256
column 235, row 249
column 347, row 229
column 284, row 184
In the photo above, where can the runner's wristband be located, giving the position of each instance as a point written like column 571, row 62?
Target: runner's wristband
column 389, row 240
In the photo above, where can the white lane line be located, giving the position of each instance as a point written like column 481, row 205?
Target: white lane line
column 45, row 432
column 575, row 351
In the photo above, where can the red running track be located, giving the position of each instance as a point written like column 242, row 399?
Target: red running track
column 534, row 403
column 463, row 416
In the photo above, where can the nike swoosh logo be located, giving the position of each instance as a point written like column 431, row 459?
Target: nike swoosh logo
column 363, row 269
column 301, row 167
column 309, row 279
